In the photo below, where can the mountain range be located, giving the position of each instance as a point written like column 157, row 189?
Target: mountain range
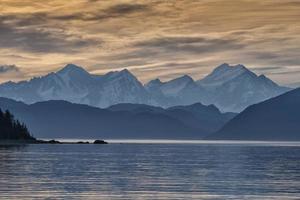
column 234, row 88
column 229, row 88
column 275, row 119
column 62, row 119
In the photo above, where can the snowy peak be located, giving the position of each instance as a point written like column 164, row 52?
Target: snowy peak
column 121, row 78
column 266, row 80
column 235, row 87
column 223, row 74
column 226, row 67
column 175, row 86
column 153, row 84
column 123, row 74
column 229, row 87
column 178, row 83
column 227, row 71
column 118, row 87
column 182, row 80
column 72, row 69
column 179, row 91
column 74, row 78
column 156, row 81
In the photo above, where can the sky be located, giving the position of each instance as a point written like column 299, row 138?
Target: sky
column 153, row 38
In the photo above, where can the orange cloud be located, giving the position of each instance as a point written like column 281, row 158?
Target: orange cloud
column 152, row 38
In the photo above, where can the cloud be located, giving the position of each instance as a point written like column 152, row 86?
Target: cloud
column 194, row 44
column 153, row 38
column 25, row 19
column 49, row 32
column 19, row 35
column 10, row 72
column 126, row 8
column 8, row 68
column 173, row 50
column 114, row 11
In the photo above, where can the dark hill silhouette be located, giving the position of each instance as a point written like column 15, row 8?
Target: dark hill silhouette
column 61, row 119
column 274, row 119
column 208, row 117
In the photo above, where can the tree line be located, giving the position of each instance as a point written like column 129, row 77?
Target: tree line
column 12, row 129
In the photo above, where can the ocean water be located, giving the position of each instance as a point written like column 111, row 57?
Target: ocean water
column 151, row 170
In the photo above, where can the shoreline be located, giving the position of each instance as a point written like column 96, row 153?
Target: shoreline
column 150, row 141
column 16, row 142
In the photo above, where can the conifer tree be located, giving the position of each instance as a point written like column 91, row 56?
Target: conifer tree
column 11, row 129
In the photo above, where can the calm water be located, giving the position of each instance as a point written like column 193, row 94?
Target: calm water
column 151, row 171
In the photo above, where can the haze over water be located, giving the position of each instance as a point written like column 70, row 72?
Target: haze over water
column 161, row 170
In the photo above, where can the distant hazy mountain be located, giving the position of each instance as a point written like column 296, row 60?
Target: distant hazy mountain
column 74, row 84
column 179, row 91
column 210, row 116
column 54, row 119
column 235, row 87
column 230, row 88
column 274, row 119
column 207, row 118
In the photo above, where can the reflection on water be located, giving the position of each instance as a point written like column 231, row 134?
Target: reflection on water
column 150, row 171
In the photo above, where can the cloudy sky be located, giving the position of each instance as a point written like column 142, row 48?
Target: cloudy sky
column 153, row 38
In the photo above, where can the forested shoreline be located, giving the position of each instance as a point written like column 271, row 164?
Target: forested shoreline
column 12, row 129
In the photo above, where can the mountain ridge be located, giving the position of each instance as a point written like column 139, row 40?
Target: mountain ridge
column 62, row 119
column 230, row 88
column 274, row 119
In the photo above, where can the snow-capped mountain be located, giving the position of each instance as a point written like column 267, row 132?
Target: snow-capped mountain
column 221, row 75
column 234, row 88
column 116, row 87
column 179, row 91
column 230, row 88
column 74, row 84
